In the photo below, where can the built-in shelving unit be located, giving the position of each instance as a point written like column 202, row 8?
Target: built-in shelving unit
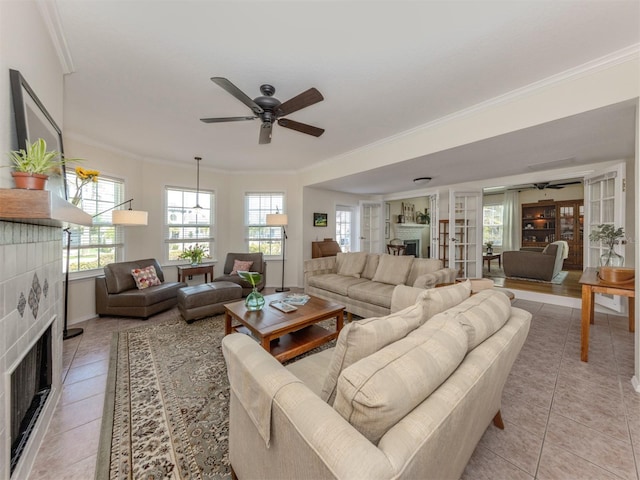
column 39, row 207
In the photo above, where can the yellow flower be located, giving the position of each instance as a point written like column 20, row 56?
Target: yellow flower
column 83, row 176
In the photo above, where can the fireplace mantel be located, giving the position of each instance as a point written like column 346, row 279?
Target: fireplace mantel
column 411, row 225
column 39, row 207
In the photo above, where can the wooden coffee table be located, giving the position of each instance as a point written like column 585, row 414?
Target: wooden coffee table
column 285, row 335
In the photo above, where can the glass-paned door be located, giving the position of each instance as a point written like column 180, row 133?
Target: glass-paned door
column 604, row 204
column 465, row 233
column 344, row 227
column 434, row 214
column 371, row 227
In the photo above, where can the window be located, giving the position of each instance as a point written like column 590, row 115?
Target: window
column 94, row 247
column 492, row 224
column 186, row 225
column 261, row 238
column 344, row 227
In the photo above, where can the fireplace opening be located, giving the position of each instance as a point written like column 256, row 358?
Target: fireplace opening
column 412, row 247
column 30, row 387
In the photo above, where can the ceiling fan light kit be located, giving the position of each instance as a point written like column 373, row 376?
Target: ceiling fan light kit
column 269, row 109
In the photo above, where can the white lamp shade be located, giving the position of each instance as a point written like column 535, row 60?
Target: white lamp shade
column 277, row 219
column 129, row 217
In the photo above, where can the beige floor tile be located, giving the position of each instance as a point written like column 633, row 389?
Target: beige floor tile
column 602, row 450
column 72, row 415
column 85, row 372
column 83, row 389
column 518, row 411
column 486, row 465
column 559, row 464
column 81, row 470
column 515, row 445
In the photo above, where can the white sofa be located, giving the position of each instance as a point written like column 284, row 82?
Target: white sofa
column 408, row 395
column 364, row 282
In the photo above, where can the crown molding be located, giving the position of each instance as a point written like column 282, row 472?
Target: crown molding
column 51, row 16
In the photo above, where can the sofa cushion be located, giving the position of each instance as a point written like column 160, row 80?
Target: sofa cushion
column 371, row 266
column 393, row 269
column 335, row 283
column 482, row 315
column 361, row 338
column 379, row 390
column 241, row 266
column 375, row 293
column 420, row 266
column 351, row 263
column 148, row 296
column 145, row 277
column 256, row 258
column 436, row 300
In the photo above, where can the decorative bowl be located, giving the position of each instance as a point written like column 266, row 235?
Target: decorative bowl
column 617, row 275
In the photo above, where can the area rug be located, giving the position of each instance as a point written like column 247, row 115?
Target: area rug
column 167, row 403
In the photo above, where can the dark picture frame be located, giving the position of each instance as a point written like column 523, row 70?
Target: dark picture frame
column 320, row 220
column 33, row 121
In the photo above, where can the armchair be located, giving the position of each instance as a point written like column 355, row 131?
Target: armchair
column 536, row 264
column 259, row 265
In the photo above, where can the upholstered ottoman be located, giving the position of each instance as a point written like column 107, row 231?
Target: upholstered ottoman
column 206, row 299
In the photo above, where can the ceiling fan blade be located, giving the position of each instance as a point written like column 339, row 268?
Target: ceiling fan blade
column 300, row 101
column 226, row 119
column 300, row 127
column 265, row 133
column 239, row 94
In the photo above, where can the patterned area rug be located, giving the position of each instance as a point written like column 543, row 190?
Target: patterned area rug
column 167, row 403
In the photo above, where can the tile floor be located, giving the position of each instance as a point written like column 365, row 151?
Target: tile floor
column 564, row 419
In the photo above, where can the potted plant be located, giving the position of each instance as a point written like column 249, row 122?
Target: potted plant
column 489, row 248
column 609, row 235
column 32, row 167
column 195, row 253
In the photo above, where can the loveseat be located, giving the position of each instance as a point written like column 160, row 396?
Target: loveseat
column 364, row 282
column 536, row 263
column 117, row 292
column 408, row 395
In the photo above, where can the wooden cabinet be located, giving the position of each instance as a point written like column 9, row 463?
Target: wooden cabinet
column 547, row 221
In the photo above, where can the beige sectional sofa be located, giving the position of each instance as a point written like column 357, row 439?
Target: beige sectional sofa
column 364, row 282
column 408, row 395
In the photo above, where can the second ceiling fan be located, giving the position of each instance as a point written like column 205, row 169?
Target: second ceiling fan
column 269, row 109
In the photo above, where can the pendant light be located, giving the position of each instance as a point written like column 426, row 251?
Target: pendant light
column 198, row 183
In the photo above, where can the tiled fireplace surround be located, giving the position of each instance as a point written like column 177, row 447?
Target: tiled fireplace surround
column 31, row 299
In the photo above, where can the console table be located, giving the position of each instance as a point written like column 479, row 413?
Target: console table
column 185, row 271
column 591, row 284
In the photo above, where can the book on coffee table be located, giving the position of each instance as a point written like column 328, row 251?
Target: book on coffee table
column 283, row 306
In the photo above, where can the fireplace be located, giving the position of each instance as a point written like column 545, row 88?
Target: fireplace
column 30, row 387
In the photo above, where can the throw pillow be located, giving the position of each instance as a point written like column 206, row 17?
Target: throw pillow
column 351, row 264
column 393, row 269
column 241, row 265
column 436, row 300
column 145, row 277
column 378, row 391
column 361, row 338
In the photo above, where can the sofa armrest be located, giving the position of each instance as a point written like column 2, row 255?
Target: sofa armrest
column 430, row 280
column 102, row 296
column 325, row 444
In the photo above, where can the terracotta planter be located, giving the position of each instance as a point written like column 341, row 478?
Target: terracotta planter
column 29, row 181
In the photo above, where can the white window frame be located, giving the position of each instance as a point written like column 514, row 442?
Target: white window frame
column 104, row 238
column 258, row 236
column 351, row 226
column 196, row 225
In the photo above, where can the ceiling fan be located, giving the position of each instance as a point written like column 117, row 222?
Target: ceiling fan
column 545, row 185
column 269, row 109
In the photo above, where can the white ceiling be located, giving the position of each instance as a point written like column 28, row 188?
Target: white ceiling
column 142, row 79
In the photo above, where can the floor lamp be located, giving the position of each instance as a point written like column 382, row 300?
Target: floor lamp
column 128, row 217
column 280, row 220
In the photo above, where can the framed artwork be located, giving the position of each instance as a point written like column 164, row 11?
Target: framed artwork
column 33, row 121
column 386, row 230
column 320, row 220
column 387, row 211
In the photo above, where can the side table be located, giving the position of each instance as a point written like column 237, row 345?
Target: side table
column 205, row 269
